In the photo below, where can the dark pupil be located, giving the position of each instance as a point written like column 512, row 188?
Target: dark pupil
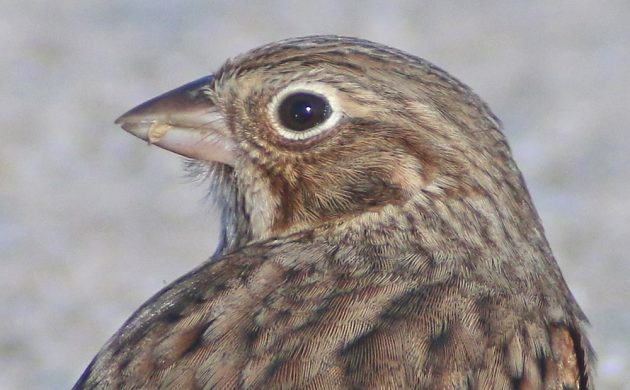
column 302, row 111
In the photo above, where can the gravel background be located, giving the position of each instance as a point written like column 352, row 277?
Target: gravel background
column 92, row 222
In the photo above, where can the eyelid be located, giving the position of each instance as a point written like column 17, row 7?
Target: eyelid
column 321, row 89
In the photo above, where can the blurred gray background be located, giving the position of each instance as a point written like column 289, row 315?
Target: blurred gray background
column 93, row 222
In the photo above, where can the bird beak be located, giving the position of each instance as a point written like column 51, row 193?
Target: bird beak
column 183, row 121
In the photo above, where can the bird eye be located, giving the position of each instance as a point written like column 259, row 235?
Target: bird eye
column 302, row 111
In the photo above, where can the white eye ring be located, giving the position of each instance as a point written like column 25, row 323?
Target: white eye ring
column 328, row 93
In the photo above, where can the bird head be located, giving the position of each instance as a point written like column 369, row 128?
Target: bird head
column 318, row 131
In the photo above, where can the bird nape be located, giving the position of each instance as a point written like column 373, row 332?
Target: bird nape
column 376, row 234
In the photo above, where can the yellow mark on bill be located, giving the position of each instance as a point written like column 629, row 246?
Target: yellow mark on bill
column 157, row 131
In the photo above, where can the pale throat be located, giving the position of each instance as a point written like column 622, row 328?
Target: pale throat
column 260, row 204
